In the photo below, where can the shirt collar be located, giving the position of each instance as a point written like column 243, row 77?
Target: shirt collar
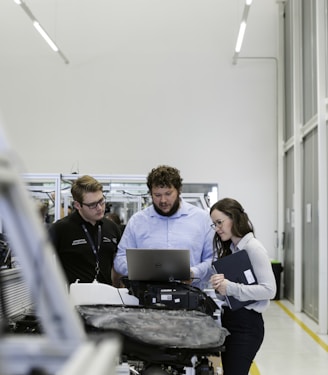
column 80, row 219
column 242, row 243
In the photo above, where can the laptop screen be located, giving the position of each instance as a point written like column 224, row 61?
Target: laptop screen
column 158, row 264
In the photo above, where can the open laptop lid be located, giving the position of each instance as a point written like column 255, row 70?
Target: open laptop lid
column 158, row 264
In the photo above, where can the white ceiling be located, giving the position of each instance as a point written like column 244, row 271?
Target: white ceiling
column 85, row 29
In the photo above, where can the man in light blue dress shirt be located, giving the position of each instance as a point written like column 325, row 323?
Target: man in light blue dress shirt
column 169, row 223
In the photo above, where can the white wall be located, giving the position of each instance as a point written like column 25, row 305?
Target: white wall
column 154, row 84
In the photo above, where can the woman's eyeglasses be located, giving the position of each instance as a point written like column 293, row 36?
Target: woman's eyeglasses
column 217, row 223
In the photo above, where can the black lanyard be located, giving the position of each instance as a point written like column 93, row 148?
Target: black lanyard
column 93, row 246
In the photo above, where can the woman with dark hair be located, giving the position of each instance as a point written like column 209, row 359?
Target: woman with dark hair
column 234, row 232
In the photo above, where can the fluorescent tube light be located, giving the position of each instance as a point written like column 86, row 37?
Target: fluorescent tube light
column 41, row 30
column 45, row 36
column 242, row 29
column 241, row 35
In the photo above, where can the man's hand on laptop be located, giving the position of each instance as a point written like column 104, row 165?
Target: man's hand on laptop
column 190, row 280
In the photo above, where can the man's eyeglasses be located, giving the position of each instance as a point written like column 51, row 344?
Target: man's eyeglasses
column 217, row 223
column 94, row 205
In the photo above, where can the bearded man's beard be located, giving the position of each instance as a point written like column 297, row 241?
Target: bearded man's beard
column 172, row 211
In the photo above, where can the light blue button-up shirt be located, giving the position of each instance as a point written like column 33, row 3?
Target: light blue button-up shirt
column 189, row 228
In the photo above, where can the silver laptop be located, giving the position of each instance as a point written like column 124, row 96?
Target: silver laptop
column 158, row 264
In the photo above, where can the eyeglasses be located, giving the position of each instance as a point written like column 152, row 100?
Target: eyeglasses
column 217, row 223
column 94, row 205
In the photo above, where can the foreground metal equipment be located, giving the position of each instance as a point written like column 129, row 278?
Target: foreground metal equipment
column 156, row 338
column 64, row 347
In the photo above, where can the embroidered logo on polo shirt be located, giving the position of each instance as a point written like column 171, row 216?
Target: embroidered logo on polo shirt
column 82, row 241
column 106, row 239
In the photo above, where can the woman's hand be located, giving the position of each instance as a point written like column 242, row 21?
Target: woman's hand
column 219, row 283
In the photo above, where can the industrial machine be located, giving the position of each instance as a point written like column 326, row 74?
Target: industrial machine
column 94, row 332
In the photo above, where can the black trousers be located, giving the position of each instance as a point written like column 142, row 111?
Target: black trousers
column 246, row 329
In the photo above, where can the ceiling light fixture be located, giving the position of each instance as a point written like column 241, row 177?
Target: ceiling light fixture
column 41, row 30
column 242, row 29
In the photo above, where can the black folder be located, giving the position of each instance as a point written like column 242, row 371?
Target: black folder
column 236, row 267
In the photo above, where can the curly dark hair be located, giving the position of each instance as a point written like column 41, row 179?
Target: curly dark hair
column 241, row 225
column 164, row 176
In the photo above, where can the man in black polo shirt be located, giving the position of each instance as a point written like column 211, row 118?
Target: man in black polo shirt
column 85, row 241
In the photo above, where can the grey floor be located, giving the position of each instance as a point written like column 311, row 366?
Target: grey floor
column 292, row 345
